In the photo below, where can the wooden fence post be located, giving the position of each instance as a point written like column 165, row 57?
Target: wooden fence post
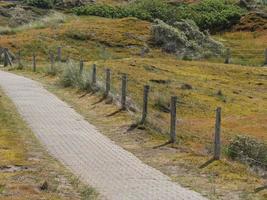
column 265, row 62
column 123, row 91
column 94, row 75
column 108, row 79
column 52, row 60
column 173, row 119
column 228, row 56
column 145, row 104
column 5, row 58
column 19, row 60
column 217, row 137
column 81, row 67
column 59, row 54
column 33, row 62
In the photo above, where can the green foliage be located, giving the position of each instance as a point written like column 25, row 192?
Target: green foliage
column 212, row 14
column 154, row 9
column 41, row 3
column 108, row 11
column 208, row 14
column 142, row 9
column 248, row 150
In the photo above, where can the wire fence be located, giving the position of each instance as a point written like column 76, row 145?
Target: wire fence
column 254, row 57
column 160, row 120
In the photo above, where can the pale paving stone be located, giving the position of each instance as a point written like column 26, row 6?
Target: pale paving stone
column 114, row 172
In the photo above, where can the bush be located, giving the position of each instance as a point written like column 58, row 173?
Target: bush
column 215, row 14
column 41, row 3
column 108, row 11
column 142, row 9
column 248, row 150
column 185, row 40
column 155, row 9
column 72, row 77
column 208, row 14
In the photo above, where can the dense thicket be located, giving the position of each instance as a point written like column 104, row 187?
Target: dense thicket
column 208, row 14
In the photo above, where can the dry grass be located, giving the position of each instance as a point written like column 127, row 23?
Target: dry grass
column 247, row 47
column 83, row 38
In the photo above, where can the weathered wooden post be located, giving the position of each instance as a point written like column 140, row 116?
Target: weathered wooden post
column 145, row 104
column 19, row 60
column 81, row 67
column 33, row 62
column 265, row 62
column 173, row 119
column 217, row 136
column 228, row 56
column 6, row 61
column 123, row 91
column 59, row 54
column 52, row 61
column 108, row 79
column 94, row 76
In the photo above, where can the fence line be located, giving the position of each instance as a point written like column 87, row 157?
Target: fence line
column 146, row 115
column 229, row 56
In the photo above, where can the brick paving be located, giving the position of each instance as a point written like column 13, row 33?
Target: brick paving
column 116, row 173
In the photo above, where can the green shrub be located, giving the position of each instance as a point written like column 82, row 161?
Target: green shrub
column 208, row 14
column 108, row 11
column 142, row 9
column 215, row 14
column 154, row 9
column 248, row 150
column 185, row 40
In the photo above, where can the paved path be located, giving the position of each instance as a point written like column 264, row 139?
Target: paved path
column 114, row 172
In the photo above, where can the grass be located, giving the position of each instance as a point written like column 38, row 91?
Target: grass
column 247, row 48
column 21, row 150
